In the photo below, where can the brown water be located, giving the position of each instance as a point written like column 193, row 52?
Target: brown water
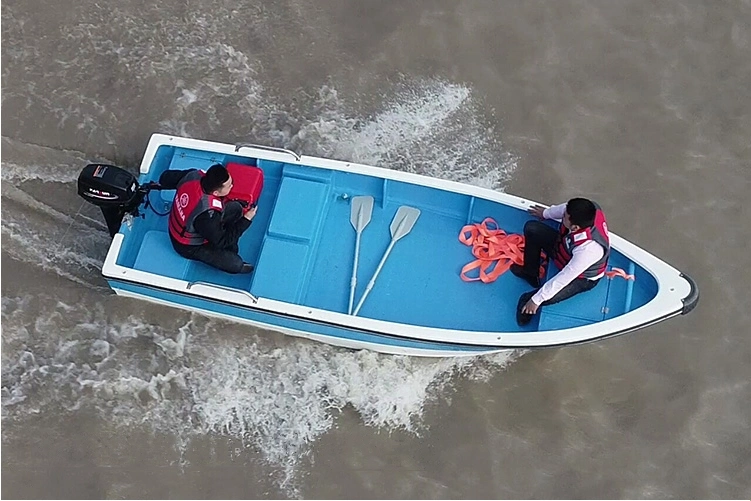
column 643, row 106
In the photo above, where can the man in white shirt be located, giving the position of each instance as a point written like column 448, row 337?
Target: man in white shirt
column 580, row 249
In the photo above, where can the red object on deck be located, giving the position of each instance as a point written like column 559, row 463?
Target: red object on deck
column 247, row 182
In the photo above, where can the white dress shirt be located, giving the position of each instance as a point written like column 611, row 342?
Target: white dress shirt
column 582, row 257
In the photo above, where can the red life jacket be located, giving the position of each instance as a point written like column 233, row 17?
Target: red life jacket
column 598, row 232
column 190, row 201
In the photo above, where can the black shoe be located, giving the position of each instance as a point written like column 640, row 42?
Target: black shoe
column 519, row 272
column 247, row 268
column 523, row 319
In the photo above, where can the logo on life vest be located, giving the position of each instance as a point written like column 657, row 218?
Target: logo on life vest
column 578, row 237
column 180, row 204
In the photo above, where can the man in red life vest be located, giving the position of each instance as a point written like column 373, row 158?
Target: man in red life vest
column 202, row 226
column 580, row 249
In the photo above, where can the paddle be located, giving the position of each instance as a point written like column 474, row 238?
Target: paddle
column 362, row 209
column 402, row 224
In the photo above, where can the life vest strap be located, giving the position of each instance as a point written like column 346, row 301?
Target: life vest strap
column 619, row 273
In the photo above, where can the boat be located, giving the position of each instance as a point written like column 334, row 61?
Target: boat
column 361, row 257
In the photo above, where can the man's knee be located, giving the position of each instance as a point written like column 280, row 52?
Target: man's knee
column 535, row 228
column 232, row 212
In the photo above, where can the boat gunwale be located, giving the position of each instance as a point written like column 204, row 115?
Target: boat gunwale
column 490, row 347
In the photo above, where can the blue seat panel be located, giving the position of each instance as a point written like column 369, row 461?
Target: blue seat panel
column 157, row 255
column 585, row 305
column 620, row 294
column 554, row 321
column 298, row 209
column 617, row 294
column 168, row 196
column 194, row 159
column 281, row 270
column 304, row 172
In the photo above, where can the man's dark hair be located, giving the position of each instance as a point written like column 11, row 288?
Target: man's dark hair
column 581, row 212
column 214, row 178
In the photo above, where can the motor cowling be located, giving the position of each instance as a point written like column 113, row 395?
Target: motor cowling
column 114, row 190
column 108, row 186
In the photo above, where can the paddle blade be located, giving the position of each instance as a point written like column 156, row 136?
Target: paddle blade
column 362, row 210
column 403, row 221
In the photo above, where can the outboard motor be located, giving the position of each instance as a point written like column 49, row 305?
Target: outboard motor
column 114, row 190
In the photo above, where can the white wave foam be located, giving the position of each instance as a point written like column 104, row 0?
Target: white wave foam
column 407, row 121
column 26, row 162
column 431, row 128
column 279, row 401
column 41, row 245
column 28, row 202
column 15, row 172
column 286, row 398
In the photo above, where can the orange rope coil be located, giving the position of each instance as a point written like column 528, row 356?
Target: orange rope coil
column 494, row 249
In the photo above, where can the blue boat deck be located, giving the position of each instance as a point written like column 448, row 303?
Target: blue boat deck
column 302, row 244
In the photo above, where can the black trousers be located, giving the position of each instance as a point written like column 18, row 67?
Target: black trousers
column 225, row 258
column 538, row 236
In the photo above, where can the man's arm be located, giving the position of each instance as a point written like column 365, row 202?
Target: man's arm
column 170, row 178
column 555, row 212
column 583, row 256
column 209, row 226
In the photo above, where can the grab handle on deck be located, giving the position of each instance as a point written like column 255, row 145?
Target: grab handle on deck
column 267, row 148
column 253, row 298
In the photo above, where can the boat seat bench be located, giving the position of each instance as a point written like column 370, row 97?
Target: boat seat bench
column 157, row 255
column 283, row 268
column 582, row 309
column 601, row 303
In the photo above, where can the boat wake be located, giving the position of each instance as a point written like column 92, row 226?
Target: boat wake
column 206, row 376
column 181, row 374
column 276, row 394
column 37, row 228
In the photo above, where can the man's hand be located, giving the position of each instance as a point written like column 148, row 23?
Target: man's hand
column 537, row 210
column 250, row 213
column 530, row 308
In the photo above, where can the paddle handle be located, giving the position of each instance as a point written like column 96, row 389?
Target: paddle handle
column 375, row 275
column 353, row 281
